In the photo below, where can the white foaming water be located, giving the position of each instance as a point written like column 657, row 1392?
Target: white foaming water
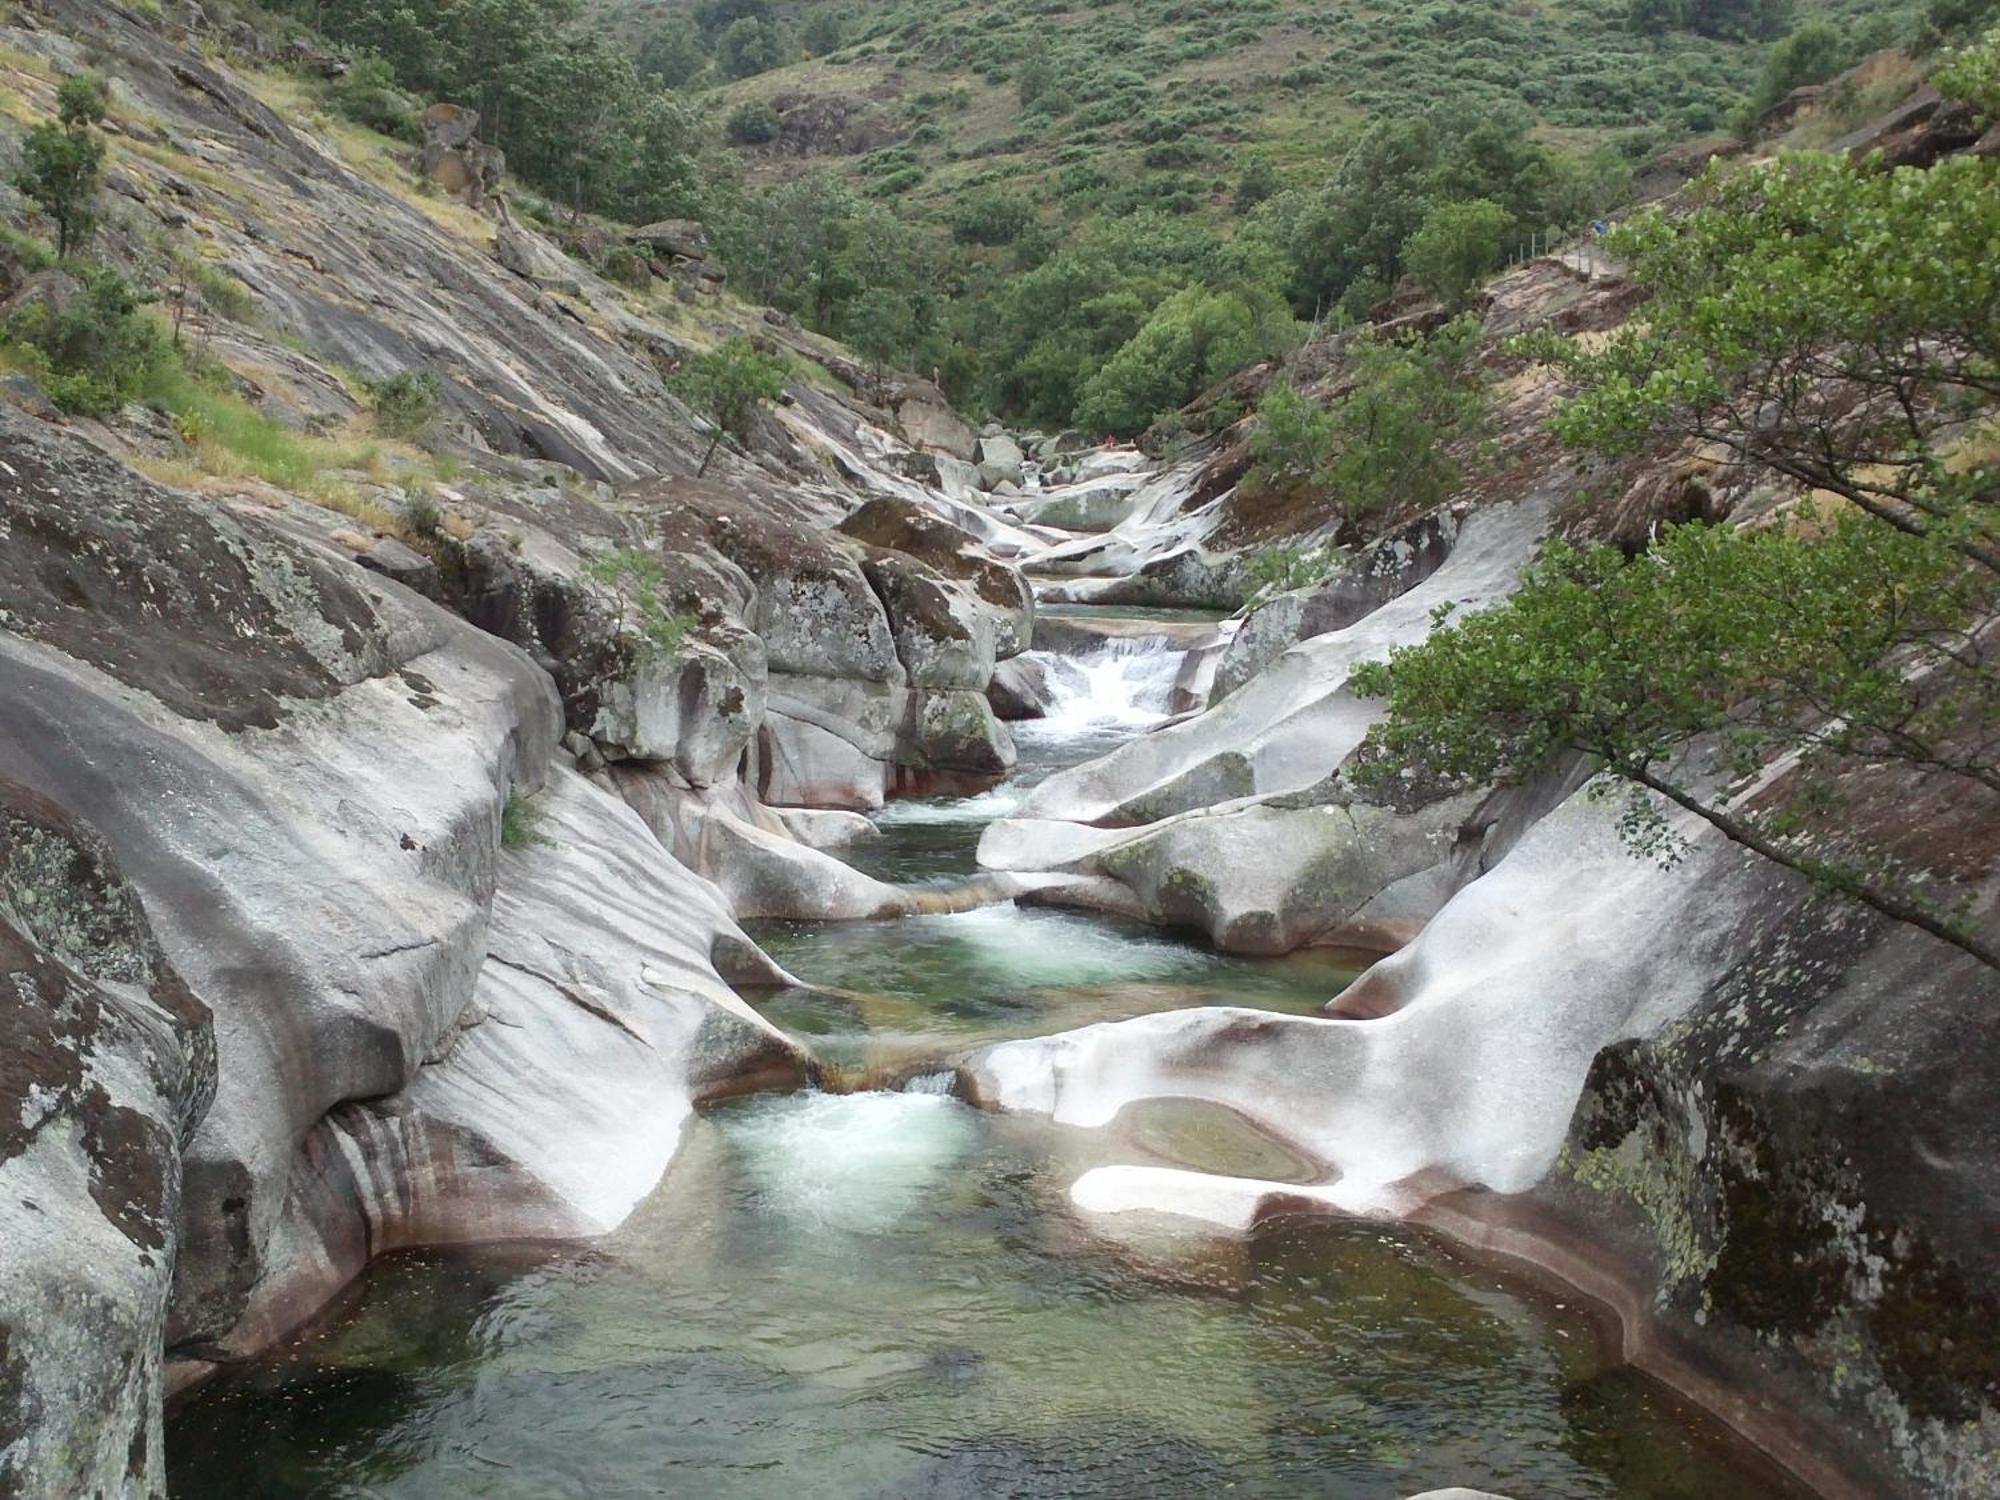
column 987, row 806
column 1019, row 947
column 1123, row 684
column 856, row 1163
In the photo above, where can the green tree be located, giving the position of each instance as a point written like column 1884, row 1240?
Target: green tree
column 1785, row 328
column 1812, row 54
column 729, row 386
column 673, row 55
column 1456, row 246
column 1196, row 338
column 783, row 245
column 1973, row 74
column 62, row 162
column 1765, row 646
column 823, row 30
column 1792, row 285
column 1292, row 441
column 1397, row 432
column 1389, row 441
column 749, row 46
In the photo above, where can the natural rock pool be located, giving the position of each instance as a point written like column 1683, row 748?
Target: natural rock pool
column 887, row 1294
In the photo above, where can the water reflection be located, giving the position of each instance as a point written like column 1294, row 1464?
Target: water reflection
column 854, row 1297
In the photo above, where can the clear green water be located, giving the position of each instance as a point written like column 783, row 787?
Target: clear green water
column 886, row 1296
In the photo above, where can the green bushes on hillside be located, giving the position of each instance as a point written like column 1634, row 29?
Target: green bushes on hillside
column 1391, row 442
column 565, row 101
column 1197, row 337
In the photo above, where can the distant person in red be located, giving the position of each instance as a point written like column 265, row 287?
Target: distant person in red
column 1110, row 441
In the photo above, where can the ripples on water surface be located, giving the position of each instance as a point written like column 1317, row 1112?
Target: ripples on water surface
column 882, row 1295
column 875, row 1296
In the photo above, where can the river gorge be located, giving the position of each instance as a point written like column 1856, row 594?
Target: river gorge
column 877, row 1289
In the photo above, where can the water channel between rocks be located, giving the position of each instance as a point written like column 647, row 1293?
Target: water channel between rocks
column 877, row 1294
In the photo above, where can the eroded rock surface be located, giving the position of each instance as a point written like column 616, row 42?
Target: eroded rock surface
column 301, row 769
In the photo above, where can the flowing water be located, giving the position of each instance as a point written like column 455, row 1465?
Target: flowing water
column 880, row 1295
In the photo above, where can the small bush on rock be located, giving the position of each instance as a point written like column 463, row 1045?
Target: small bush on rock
column 407, row 403
column 88, row 341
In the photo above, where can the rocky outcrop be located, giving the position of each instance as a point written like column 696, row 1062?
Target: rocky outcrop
column 1636, row 1077
column 301, row 769
column 929, row 422
column 109, row 1066
column 455, row 158
column 1384, row 570
column 811, row 124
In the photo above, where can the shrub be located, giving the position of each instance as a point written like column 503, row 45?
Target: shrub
column 406, row 403
column 1812, row 54
column 992, row 218
column 521, row 824
column 637, row 578
column 1279, row 570
column 89, row 341
column 422, row 518
column 370, row 96
column 751, row 124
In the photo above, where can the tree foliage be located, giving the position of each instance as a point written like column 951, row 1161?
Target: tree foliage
column 576, row 115
column 1389, row 441
column 1828, row 321
column 89, row 339
column 1812, row 54
column 1196, row 338
column 1455, row 246
column 729, row 386
column 1837, row 325
column 1972, row 73
column 62, row 162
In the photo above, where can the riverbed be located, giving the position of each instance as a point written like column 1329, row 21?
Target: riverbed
column 884, row 1292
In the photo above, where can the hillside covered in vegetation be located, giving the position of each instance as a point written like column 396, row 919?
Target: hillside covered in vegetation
column 1008, row 196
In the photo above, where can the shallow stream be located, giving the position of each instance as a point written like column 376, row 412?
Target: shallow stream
column 886, row 1294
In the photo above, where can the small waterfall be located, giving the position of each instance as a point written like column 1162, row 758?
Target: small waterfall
column 943, row 1082
column 1122, row 684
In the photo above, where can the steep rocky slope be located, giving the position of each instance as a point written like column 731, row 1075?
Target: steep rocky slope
column 355, row 864
column 367, row 883
column 1747, row 1115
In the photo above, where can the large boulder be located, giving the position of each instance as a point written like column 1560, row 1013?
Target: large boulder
column 1362, row 584
column 1746, row 1115
column 1097, row 505
column 1020, row 689
column 109, row 1066
column 673, row 239
column 304, row 772
column 929, row 422
column 936, row 580
column 455, row 158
